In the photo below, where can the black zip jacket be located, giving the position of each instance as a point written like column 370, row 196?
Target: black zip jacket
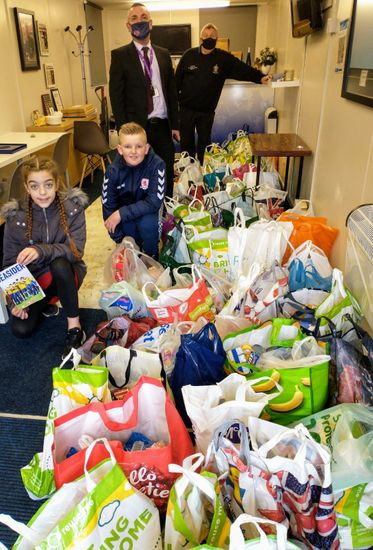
column 200, row 78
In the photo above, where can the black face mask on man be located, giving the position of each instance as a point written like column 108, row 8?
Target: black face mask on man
column 140, row 30
column 209, row 43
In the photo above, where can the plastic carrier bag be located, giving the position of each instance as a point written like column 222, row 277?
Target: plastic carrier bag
column 347, row 429
column 123, row 298
column 85, row 512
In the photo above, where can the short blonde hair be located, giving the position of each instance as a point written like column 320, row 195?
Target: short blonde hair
column 207, row 27
column 131, row 129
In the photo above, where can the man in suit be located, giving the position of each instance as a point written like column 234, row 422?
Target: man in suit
column 142, row 88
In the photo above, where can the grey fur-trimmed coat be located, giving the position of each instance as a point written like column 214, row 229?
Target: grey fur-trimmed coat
column 47, row 233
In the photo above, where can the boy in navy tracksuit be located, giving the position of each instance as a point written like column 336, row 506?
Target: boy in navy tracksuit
column 133, row 191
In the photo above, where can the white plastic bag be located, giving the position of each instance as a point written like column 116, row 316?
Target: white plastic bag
column 209, row 406
column 126, row 366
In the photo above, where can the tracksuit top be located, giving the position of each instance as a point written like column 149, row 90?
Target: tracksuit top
column 134, row 190
column 200, row 78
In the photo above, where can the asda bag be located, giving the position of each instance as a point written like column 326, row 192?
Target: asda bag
column 72, row 388
column 195, row 512
column 179, row 304
column 144, row 430
column 92, row 511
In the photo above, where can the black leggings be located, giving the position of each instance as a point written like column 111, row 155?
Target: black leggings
column 63, row 285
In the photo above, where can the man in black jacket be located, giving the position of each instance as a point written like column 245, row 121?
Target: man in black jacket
column 200, row 77
column 142, row 88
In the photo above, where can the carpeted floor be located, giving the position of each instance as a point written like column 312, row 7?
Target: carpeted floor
column 26, row 365
column 21, row 438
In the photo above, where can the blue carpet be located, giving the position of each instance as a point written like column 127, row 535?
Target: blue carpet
column 21, row 438
column 26, row 365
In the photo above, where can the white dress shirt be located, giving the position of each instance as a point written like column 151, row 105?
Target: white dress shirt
column 160, row 108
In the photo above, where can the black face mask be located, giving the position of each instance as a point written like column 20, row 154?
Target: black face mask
column 209, row 43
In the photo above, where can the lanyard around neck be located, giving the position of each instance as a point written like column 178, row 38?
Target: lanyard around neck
column 147, row 66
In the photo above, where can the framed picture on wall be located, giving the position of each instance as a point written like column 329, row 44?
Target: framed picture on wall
column 42, row 39
column 49, row 75
column 47, row 103
column 27, row 42
column 57, row 101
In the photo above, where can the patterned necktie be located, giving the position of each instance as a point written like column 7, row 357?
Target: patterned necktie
column 149, row 86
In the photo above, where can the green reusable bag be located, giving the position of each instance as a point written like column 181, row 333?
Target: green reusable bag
column 239, row 345
column 305, row 391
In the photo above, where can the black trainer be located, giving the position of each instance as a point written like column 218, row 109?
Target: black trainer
column 74, row 339
column 51, row 310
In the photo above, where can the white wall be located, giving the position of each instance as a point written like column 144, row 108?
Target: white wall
column 24, row 88
column 339, row 175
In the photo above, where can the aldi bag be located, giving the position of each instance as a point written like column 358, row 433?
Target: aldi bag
column 72, row 388
column 92, row 511
column 147, row 411
column 195, row 512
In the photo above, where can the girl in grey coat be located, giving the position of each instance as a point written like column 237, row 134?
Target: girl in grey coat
column 47, row 233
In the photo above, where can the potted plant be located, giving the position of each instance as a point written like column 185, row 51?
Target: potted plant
column 268, row 57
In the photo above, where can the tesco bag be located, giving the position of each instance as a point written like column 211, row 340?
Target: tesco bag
column 145, row 419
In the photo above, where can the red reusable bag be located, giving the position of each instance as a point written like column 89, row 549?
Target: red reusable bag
column 146, row 409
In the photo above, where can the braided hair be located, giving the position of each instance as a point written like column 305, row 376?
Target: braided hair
column 34, row 164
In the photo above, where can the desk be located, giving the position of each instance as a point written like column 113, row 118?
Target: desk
column 280, row 145
column 34, row 143
column 76, row 158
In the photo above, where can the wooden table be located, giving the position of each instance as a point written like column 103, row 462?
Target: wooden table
column 280, row 145
column 76, row 158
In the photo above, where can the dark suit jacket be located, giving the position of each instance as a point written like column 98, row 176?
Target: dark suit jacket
column 127, row 86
